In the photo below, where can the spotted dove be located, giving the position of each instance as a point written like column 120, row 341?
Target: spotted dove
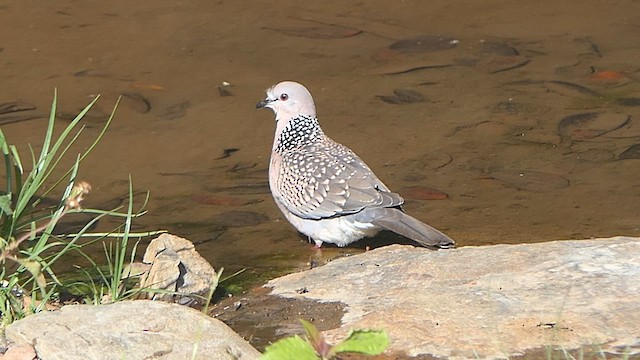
column 323, row 188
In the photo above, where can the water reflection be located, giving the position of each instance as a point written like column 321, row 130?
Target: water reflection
column 486, row 104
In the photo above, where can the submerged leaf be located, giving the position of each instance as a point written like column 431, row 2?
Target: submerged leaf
column 424, row 43
column 317, row 31
column 403, row 96
column 589, row 125
column 291, row 348
column 632, row 152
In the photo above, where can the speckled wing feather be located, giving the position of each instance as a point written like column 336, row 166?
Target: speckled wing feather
column 326, row 179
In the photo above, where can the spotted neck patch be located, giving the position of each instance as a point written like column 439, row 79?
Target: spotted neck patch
column 301, row 130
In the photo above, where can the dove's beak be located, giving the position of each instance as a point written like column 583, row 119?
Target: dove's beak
column 263, row 103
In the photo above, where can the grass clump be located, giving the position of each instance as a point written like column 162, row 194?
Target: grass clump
column 29, row 246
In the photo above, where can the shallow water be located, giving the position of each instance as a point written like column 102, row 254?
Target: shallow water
column 497, row 79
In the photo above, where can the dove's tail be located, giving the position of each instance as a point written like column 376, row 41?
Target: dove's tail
column 395, row 220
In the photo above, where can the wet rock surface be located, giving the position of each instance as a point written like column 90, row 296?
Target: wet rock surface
column 129, row 330
column 485, row 302
column 262, row 318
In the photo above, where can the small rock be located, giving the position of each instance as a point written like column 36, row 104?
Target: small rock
column 20, row 352
column 177, row 271
column 223, row 89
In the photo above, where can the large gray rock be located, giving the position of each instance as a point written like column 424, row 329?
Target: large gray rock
column 139, row 329
column 485, row 302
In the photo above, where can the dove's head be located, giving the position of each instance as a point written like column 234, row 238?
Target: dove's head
column 289, row 99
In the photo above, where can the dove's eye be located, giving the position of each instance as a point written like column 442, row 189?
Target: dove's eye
column 284, row 97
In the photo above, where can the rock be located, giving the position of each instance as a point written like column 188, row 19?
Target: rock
column 485, row 302
column 175, row 266
column 140, row 329
column 22, row 352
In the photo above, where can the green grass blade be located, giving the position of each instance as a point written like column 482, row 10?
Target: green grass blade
column 37, row 177
column 49, row 133
column 7, row 161
column 113, row 212
column 18, row 170
column 119, row 234
column 44, row 238
column 75, row 239
column 93, row 145
column 53, row 166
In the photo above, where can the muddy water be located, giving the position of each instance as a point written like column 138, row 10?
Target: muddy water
column 463, row 97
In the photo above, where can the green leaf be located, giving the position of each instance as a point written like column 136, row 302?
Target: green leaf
column 5, row 204
column 291, row 348
column 369, row 342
